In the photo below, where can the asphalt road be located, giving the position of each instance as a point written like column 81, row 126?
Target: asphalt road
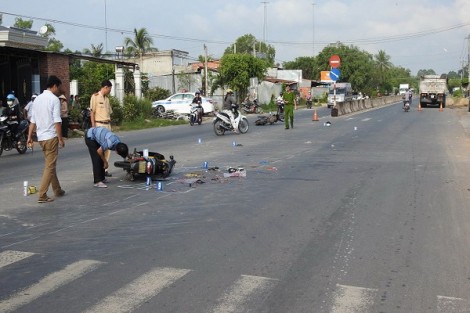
column 369, row 214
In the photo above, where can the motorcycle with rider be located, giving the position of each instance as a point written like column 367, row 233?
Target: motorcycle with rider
column 13, row 127
column 230, row 118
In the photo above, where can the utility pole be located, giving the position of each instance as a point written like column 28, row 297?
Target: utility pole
column 205, row 70
column 468, row 60
column 313, row 29
column 265, row 21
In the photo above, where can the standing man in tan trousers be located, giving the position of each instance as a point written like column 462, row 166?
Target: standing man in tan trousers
column 101, row 111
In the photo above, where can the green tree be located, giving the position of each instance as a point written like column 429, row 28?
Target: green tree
column 382, row 64
column 186, row 81
column 356, row 66
column 306, row 64
column 426, row 72
column 89, row 76
column 23, row 24
column 140, row 44
column 236, row 70
column 247, row 44
column 53, row 44
column 96, row 51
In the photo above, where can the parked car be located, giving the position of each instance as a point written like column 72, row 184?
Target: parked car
column 181, row 103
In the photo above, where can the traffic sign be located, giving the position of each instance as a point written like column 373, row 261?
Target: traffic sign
column 335, row 61
column 335, row 74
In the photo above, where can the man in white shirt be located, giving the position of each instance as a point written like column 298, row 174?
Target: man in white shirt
column 45, row 119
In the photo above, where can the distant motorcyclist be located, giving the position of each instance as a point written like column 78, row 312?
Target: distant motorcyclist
column 13, row 113
column 407, row 97
column 230, row 106
column 197, row 98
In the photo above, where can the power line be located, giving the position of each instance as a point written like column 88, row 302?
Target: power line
column 364, row 41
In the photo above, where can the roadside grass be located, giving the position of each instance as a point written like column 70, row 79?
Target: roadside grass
column 147, row 123
column 137, row 124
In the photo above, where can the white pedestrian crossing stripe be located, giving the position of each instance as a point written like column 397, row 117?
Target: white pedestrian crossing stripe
column 48, row 284
column 145, row 287
column 346, row 299
column 452, row 305
column 9, row 257
column 247, row 286
column 351, row 299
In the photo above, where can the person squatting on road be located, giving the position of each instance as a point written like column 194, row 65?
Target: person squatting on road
column 289, row 102
column 99, row 140
column 46, row 121
column 101, row 110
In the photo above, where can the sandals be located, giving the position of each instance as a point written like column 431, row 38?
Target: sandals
column 46, row 200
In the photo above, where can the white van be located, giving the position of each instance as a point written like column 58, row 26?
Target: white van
column 344, row 93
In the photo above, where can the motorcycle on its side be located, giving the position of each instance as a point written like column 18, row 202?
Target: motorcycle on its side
column 223, row 122
column 10, row 140
column 195, row 114
column 252, row 107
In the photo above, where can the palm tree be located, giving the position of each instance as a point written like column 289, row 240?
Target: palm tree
column 141, row 44
column 95, row 51
column 382, row 63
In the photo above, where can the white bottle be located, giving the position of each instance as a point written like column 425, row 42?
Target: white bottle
column 25, row 188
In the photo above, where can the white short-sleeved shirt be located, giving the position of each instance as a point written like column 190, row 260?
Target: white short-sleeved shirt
column 45, row 113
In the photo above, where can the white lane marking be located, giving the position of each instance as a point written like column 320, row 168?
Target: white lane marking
column 366, row 119
column 48, row 284
column 128, row 298
column 452, row 305
column 8, row 257
column 235, row 298
column 351, row 299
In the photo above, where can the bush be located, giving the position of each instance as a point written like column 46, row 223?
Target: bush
column 134, row 108
column 157, row 93
column 117, row 116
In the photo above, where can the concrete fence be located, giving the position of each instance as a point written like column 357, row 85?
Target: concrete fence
column 348, row 107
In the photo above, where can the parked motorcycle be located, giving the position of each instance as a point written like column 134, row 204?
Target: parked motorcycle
column 195, row 114
column 252, row 107
column 9, row 140
column 138, row 166
column 85, row 119
column 280, row 109
column 223, row 123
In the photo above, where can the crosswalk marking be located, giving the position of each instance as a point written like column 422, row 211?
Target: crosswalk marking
column 234, row 299
column 8, row 257
column 48, row 284
column 138, row 291
column 452, row 305
column 351, row 299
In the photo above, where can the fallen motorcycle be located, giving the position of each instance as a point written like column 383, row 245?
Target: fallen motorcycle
column 138, row 166
column 267, row 119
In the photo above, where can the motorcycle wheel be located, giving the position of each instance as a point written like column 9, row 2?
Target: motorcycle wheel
column 243, row 126
column 218, row 129
column 21, row 145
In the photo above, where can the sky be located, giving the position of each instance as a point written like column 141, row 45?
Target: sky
column 416, row 34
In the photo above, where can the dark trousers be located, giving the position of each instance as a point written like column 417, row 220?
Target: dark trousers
column 65, row 127
column 97, row 162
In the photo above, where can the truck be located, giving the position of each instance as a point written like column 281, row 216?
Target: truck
column 403, row 88
column 432, row 91
column 344, row 93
